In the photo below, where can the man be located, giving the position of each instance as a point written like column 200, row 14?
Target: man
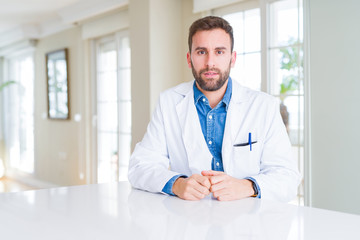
column 212, row 135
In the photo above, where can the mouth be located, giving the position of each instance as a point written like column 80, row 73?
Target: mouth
column 210, row 74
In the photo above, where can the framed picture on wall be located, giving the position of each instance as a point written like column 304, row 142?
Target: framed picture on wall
column 58, row 84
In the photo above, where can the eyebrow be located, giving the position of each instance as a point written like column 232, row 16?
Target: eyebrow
column 204, row 48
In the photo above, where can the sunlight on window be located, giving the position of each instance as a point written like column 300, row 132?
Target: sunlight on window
column 113, row 109
column 247, row 44
column 107, row 112
column 2, row 169
column 285, row 22
column 19, row 109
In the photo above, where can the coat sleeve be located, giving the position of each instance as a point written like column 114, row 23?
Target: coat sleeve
column 279, row 177
column 149, row 162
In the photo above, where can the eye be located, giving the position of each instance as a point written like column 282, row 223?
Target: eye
column 219, row 52
column 201, row 52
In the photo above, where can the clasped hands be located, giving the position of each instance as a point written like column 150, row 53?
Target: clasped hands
column 222, row 186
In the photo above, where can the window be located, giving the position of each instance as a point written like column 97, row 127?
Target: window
column 19, row 113
column 246, row 27
column 113, row 107
column 285, row 53
column 269, row 45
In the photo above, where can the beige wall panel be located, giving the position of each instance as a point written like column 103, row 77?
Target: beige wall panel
column 58, row 143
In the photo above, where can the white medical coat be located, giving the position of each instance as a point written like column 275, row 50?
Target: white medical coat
column 174, row 143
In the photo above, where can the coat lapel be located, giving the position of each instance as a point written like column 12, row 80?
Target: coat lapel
column 198, row 154
column 234, row 120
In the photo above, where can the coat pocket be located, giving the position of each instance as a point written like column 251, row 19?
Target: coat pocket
column 246, row 161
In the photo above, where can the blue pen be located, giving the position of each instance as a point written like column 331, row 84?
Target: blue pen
column 250, row 141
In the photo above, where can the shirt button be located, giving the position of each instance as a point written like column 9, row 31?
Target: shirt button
column 210, row 117
column 210, row 142
column 217, row 164
column 203, row 99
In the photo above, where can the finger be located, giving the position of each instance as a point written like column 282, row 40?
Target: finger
column 202, row 189
column 217, row 186
column 218, row 178
column 199, row 192
column 226, row 197
column 211, row 173
column 191, row 193
column 207, row 173
column 220, row 194
column 190, row 196
column 204, row 181
column 199, row 195
column 196, row 182
column 190, row 189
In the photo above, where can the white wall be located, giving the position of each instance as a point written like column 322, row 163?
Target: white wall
column 334, row 99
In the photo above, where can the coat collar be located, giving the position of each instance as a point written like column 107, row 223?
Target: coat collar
column 239, row 93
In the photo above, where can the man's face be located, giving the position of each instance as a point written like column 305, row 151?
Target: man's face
column 211, row 58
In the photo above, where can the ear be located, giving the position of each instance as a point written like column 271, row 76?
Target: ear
column 188, row 58
column 233, row 58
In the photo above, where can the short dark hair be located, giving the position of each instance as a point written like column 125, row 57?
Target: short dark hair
column 210, row 23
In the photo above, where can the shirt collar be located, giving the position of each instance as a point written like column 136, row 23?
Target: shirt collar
column 226, row 99
column 228, row 93
column 197, row 93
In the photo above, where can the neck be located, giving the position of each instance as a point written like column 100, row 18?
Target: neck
column 214, row 97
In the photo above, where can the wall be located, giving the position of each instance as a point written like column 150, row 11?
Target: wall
column 158, row 55
column 140, row 67
column 188, row 17
column 165, row 47
column 334, row 98
column 58, row 143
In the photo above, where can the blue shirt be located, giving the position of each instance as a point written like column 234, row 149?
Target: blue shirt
column 212, row 121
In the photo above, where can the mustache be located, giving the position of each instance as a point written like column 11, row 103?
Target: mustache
column 209, row 69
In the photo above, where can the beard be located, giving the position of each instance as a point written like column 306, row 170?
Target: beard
column 211, row 84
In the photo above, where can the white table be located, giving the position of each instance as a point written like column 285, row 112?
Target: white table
column 116, row 211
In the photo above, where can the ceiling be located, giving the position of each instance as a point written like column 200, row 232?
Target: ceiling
column 38, row 18
column 24, row 12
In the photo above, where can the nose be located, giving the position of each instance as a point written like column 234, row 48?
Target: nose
column 210, row 60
